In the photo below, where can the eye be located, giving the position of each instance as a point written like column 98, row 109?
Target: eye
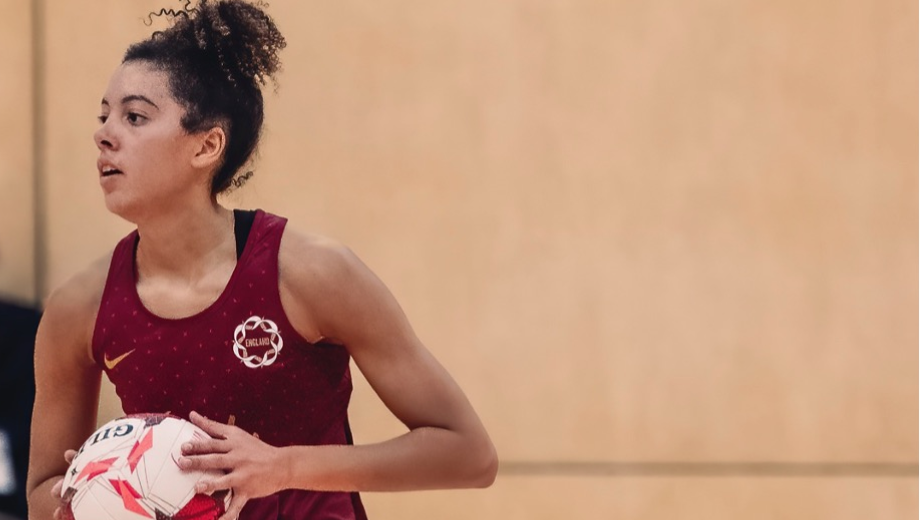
column 134, row 118
column 102, row 118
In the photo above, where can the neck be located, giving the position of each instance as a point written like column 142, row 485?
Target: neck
column 187, row 242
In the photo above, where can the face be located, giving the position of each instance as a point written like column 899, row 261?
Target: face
column 147, row 161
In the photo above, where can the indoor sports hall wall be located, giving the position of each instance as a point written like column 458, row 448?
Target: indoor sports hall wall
column 669, row 249
column 17, row 234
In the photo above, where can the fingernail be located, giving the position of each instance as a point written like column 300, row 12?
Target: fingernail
column 186, row 447
column 184, row 462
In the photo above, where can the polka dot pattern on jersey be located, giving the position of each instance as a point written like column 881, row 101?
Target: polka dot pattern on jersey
column 180, row 365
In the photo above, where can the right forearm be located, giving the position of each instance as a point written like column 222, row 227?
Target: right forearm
column 42, row 503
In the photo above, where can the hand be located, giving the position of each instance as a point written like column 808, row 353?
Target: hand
column 58, row 486
column 251, row 465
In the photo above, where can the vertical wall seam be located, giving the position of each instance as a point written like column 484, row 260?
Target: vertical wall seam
column 39, row 197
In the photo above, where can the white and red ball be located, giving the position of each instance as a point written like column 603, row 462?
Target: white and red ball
column 128, row 470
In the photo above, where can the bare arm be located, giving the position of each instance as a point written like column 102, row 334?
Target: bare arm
column 446, row 445
column 66, row 387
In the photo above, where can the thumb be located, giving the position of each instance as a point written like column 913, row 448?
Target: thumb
column 69, row 455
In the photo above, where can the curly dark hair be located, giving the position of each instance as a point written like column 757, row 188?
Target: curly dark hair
column 217, row 56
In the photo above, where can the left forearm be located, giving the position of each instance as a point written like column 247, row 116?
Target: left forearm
column 424, row 458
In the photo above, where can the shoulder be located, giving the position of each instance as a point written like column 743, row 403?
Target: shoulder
column 316, row 266
column 72, row 307
column 320, row 280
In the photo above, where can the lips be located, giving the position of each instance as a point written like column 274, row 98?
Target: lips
column 107, row 169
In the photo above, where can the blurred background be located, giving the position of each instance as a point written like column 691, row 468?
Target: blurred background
column 669, row 249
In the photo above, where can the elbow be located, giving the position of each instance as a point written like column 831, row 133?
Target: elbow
column 488, row 476
column 486, row 467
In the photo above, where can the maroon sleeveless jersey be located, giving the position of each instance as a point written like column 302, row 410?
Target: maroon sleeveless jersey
column 239, row 361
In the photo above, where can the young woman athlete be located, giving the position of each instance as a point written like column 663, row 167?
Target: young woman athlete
column 231, row 318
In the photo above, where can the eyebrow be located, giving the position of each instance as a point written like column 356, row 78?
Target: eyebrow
column 133, row 97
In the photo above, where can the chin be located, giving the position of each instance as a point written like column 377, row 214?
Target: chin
column 125, row 207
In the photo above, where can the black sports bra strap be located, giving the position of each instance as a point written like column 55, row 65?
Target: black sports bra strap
column 242, row 225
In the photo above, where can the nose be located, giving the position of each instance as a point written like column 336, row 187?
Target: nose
column 104, row 138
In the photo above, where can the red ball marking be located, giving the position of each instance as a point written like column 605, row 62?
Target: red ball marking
column 140, row 448
column 129, row 497
column 96, row 467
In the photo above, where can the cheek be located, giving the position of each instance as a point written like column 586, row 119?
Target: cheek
column 182, row 148
column 159, row 156
column 166, row 152
column 157, row 166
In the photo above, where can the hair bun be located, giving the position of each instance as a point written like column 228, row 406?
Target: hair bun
column 240, row 36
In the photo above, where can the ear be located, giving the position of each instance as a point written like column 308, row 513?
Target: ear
column 210, row 151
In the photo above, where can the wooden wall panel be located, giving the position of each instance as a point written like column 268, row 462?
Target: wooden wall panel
column 559, row 498
column 634, row 231
column 17, row 214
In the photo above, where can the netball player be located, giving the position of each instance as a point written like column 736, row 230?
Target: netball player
column 234, row 319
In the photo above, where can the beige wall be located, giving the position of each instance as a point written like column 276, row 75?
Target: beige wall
column 664, row 232
column 17, row 262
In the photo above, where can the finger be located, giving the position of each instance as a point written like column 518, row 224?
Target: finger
column 58, row 514
column 235, row 508
column 205, row 446
column 57, row 488
column 205, row 462
column 69, row 455
column 213, row 428
column 211, row 486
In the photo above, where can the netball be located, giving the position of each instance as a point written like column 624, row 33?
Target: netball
column 127, row 470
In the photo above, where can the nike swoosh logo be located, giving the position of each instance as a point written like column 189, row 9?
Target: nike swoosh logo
column 112, row 363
